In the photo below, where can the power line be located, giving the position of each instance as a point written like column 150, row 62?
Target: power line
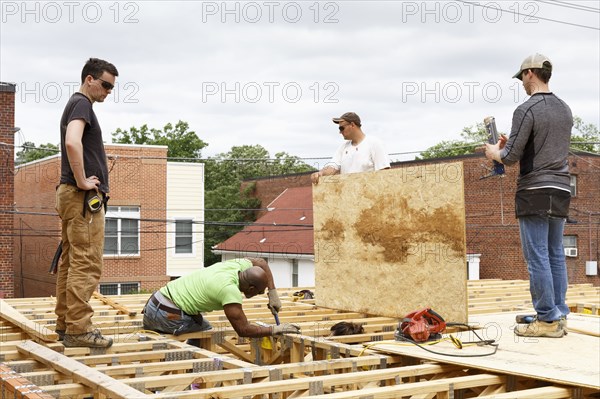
column 570, row 5
column 525, row 15
column 264, row 160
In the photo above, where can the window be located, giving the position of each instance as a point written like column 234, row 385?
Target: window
column 573, row 185
column 570, row 245
column 570, row 241
column 294, row 272
column 184, row 236
column 119, row 288
column 122, row 231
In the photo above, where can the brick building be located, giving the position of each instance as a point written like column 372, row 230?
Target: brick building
column 492, row 230
column 7, row 140
column 144, row 243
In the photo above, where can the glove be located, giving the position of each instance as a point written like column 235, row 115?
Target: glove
column 286, row 328
column 274, row 302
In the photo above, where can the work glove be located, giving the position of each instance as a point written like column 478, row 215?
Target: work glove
column 274, row 301
column 286, row 328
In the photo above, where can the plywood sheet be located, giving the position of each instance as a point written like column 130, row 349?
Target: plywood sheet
column 572, row 360
column 392, row 241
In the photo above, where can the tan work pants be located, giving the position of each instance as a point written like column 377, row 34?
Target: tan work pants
column 81, row 261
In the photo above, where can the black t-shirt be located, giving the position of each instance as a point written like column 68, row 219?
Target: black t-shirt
column 94, row 157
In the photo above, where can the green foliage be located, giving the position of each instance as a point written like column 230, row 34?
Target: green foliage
column 31, row 152
column 588, row 137
column 472, row 137
column 227, row 209
column 224, row 202
column 246, row 162
column 182, row 142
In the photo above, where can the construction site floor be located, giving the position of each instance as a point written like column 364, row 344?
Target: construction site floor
column 142, row 364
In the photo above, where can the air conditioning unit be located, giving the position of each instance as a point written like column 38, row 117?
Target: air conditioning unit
column 571, row 252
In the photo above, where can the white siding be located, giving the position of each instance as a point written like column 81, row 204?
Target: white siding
column 185, row 200
column 282, row 270
column 306, row 274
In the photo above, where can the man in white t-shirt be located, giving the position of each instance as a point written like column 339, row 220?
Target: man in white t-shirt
column 358, row 153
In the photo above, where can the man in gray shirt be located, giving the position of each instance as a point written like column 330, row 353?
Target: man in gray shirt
column 539, row 140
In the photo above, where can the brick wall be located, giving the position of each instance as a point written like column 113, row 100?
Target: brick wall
column 37, row 227
column 7, row 124
column 492, row 229
column 137, row 178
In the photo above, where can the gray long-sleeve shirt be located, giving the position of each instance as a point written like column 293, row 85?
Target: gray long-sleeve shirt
column 539, row 140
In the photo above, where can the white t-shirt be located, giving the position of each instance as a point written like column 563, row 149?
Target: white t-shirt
column 368, row 155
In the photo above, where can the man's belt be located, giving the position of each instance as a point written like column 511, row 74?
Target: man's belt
column 165, row 307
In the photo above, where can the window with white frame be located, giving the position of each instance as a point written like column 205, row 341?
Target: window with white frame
column 122, row 231
column 184, row 236
column 119, row 288
column 573, row 184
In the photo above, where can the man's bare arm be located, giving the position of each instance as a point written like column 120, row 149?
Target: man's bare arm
column 236, row 316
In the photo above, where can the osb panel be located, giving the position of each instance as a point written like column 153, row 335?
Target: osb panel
column 392, row 241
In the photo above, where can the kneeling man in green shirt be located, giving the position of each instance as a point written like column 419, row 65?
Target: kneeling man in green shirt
column 178, row 306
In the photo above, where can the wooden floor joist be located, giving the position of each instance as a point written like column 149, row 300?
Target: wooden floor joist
column 144, row 364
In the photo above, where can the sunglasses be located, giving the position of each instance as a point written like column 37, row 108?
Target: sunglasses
column 343, row 127
column 105, row 84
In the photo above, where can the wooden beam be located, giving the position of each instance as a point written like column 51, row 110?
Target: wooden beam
column 326, row 380
column 418, row 388
column 236, row 351
column 535, row 393
column 81, row 373
column 122, row 309
column 32, row 328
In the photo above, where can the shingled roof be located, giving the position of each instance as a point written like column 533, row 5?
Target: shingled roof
column 286, row 228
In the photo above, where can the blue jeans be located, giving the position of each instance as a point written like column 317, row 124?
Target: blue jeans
column 542, row 242
column 159, row 320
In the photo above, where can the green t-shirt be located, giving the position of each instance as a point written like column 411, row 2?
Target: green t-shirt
column 208, row 289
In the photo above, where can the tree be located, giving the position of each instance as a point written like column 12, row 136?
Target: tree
column 588, row 138
column 181, row 143
column 473, row 137
column 249, row 161
column 31, row 152
column 227, row 208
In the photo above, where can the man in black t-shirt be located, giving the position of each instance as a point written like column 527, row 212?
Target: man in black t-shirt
column 79, row 198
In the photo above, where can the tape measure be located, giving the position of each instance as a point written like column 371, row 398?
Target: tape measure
column 94, row 203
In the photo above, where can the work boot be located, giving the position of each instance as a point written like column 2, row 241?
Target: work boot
column 530, row 318
column 61, row 334
column 91, row 339
column 563, row 321
column 539, row 328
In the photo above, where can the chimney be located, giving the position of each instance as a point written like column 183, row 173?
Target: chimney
column 7, row 165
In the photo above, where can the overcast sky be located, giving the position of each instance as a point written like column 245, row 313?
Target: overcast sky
column 274, row 73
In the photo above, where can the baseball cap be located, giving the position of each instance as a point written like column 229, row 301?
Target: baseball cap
column 349, row 117
column 533, row 61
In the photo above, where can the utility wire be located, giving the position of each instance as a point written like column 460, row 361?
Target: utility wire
column 525, row 15
column 267, row 160
column 570, row 5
